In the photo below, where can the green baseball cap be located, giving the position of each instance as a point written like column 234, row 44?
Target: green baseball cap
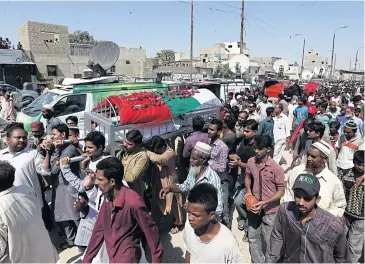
column 308, row 183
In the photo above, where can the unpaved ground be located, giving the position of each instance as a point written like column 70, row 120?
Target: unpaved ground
column 174, row 250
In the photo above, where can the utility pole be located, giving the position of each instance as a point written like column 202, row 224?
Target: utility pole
column 191, row 39
column 333, row 48
column 242, row 25
column 357, row 53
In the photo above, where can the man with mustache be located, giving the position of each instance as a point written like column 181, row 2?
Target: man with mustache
column 353, row 183
column 26, row 161
column 304, row 232
column 199, row 172
column 332, row 196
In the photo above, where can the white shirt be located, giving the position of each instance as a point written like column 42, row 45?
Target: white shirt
column 310, row 98
column 281, row 127
column 233, row 102
column 332, row 194
column 223, row 248
column 346, row 154
column 254, row 116
column 262, row 109
column 26, row 163
column 23, row 236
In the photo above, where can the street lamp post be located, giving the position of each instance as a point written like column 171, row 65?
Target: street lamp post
column 350, row 64
column 333, row 47
column 303, row 50
column 357, row 53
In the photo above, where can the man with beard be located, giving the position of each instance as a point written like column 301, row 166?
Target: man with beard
column 38, row 133
column 245, row 151
column 332, row 196
column 315, row 134
column 265, row 181
column 51, row 120
column 206, row 240
column 333, row 110
column 27, row 162
column 304, row 232
column 125, row 211
column 353, row 183
column 347, row 144
column 199, row 172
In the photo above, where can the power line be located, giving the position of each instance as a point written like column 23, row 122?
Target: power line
column 210, row 8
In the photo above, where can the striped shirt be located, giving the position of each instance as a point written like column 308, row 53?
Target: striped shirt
column 209, row 176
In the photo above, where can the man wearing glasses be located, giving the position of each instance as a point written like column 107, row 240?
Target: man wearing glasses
column 252, row 112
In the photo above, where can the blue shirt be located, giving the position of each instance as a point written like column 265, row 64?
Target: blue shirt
column 300, row 113
column 266, row 127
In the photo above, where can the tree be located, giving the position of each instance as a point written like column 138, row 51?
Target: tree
column 165, row 55
column 222, row 71
column 82, row 37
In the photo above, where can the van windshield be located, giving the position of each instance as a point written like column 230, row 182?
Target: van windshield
column 35, row 108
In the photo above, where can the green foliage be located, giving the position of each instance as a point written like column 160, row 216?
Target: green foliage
column 82, row 37
column 222, row 71
column 165, row 55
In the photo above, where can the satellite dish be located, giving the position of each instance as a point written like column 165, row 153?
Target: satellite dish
column 103, row 56
column 239, row 64
column 319, row 70
column 307, row 75
column 337, row 74
column 281, row 66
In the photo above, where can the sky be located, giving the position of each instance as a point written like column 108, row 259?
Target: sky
column 269, row 26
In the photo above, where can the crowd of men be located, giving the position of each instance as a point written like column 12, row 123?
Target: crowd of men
column 111, row 207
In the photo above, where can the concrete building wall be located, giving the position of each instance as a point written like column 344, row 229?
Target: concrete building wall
column 23, row 36
column 221, row 51
column 313, row 59
column 48, row 45
column 181, row 56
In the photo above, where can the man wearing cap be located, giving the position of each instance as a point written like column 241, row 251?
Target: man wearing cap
column 332, row 195
column 304, row 232
column 38, row 133
column 199, row 172
column 350, row 116
column 347, row 144
column 50, row 120
column 316, row 131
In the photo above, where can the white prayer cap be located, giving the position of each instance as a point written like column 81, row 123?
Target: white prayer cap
column 48, row 107
column 203, row 147
column 325, row 149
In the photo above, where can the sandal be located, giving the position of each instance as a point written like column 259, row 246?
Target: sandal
column 176, row 229
column 241, row 224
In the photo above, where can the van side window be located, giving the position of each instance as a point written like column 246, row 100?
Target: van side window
column 70, row 104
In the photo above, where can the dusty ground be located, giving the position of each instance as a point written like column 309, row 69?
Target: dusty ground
column 173, row 245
